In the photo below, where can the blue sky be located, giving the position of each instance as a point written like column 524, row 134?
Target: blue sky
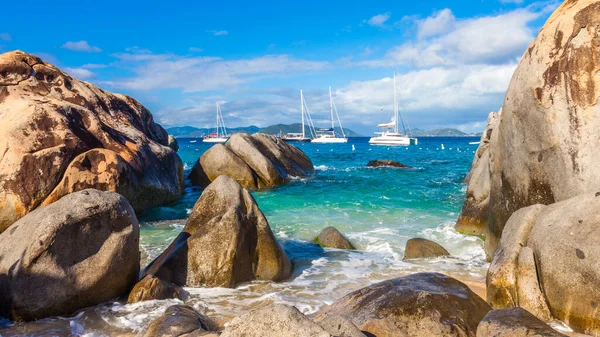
column 454, row 59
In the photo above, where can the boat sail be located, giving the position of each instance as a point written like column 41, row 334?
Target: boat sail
column 220, row 135
column 391, row 136
column 302, row 137
column 325, row 136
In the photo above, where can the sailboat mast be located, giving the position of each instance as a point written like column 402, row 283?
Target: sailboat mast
column 217, row 119
column 395, row 107
column 331, row 110
column 302, row 108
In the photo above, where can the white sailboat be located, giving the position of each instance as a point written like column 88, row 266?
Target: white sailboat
column 220, row 136
column 327, row 136
column 301, row 137
column 391, row 136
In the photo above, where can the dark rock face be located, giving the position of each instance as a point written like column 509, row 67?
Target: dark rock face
column 386, row 163
column 79, row 251
column 255, row 161
column 178, row 320
column 514, row 322
column 422, row 248
column 153, row 288
column 173, row 143
column 330, row 237
column 59, row 135
column 226, row 240
column 423, row 304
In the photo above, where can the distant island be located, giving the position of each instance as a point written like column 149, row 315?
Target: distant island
column 194, row 132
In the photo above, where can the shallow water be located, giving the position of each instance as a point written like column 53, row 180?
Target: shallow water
column 379, row 209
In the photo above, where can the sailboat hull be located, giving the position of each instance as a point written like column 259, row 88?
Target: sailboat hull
column 329, row 140
column 393, row 141
column 215, row 140
column 296, row 139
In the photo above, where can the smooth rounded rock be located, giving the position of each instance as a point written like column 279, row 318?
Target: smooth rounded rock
column 153, row 288
column 178, row 320
column 423, row 248
column 330, row 237
column 514, row 322
column 386, row 163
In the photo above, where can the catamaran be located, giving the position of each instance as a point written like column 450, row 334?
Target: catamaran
column 220, row 136
column 325, row 136
column 301, row 137
column 391, row 136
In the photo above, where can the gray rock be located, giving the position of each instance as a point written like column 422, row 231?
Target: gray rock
column 330, row 237
column 340, row 327
column 77, row 252
column 178, row 320
column 386, row 163
column 423, row 248
column 274, row 320
column 226, row 240
column 422, row 304
column 514, row 322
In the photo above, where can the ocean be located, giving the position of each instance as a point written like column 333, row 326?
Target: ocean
column 378, row 209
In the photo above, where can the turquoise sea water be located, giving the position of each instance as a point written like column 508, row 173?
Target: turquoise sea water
column 379, row 209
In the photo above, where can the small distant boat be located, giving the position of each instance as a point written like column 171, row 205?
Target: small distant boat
column 392, row 136
column 328, row 136
column 300, row 137
column 220, row 136
column 474, row 143
column 193, row 141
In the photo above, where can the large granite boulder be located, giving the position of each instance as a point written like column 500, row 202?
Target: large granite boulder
column 546, row 263
column 423, row 304
column 514, row 322
column 475, row 210
column 178, row 320
column 153, row 288
column 422, row 249
column 330, row 237
column 79, row 251
column 59, row 135
column 226, row 240
column 274, row 320
column 547, row 146
column 255, row 161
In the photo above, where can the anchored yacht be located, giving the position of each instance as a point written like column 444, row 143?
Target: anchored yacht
column 220, row 135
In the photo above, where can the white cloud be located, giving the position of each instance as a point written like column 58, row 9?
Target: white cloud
column 441, row 22
column 80, row 73
column 219, row 32
column 82, row 46
column 378, row 20
column 5, row 37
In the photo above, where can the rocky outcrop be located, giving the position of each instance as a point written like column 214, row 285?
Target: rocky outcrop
column 423, row 304
column 545, row 263
column 340, row 327
column 475, row 210
column 547, row 146
column 274, row 320
column 153, row 288
column 386, row 163
column 514, row 322
column 79, row 251
column 226, row 240
column 173, row 143
column 422, row 249
column 59, row 135
column 255, row 161
column 176, row 321
column 330, row 237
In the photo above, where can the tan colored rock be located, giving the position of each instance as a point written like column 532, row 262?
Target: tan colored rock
column 423, row 304
column 77, row 252
column 514, row 322
column 340, row 327
column 330, row 237
column 529, row 293
column 422, row 249
column 474, row 213
column 178, row 320
column 274, row 320
column 547, row 149
column 58, row 133
column 255, row 161
column 153, row 288
column 226, row 240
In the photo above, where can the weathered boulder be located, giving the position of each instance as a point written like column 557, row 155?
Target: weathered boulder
column 59, row 135
column 386, row 163
column 475, row 210
column 340, row 327
column 514, row 322
column 226, row 240
column 330, row 237
column 173, row 143
column 543, row 263
column 547, row 146
column 153, row 288
column 255, row 161
column 274, row 320
column 423, row 304
column 178, row 320
column 423, row 248
column 79, row 251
